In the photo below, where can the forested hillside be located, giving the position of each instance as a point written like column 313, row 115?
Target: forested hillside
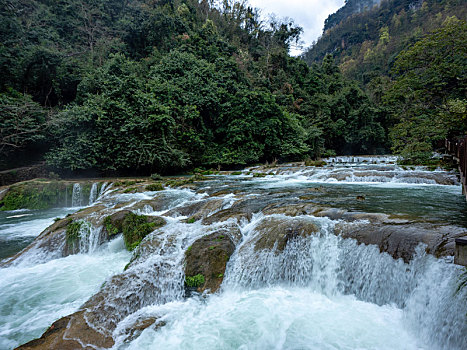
column 410, row 56
column 145, row 85
column 365, row 40
column 142, row 86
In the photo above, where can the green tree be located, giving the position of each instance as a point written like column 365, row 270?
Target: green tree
column 427, row 98
column 22, row 123
column 116, row 115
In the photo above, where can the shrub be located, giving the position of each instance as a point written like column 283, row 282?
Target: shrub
column 73, row 231
column 155, row 187
column 156, row 177
column 194, row 281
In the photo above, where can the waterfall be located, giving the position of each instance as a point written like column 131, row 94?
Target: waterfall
column 424, row 289
column 291, row 282
column 76, row 196
column 93, row 195
column 362, row 159
column 155, row 276
column 105, row 186
column 89, row 238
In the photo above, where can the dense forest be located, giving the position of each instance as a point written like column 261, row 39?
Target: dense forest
column 410, row 57
column 142, row 86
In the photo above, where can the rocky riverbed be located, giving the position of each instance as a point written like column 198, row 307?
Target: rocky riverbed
column 361, row 234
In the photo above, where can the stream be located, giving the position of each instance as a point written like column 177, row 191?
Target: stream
column 323, row 290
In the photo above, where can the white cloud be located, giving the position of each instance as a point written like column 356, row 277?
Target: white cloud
column 308, row 14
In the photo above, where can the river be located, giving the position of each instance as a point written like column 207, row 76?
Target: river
column 322, row 291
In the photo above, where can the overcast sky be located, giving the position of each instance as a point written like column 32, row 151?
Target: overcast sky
column 308, row 14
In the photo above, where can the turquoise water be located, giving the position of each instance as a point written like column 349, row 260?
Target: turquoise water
column 18, row 228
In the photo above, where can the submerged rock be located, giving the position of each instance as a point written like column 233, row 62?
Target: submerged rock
column 206, row 260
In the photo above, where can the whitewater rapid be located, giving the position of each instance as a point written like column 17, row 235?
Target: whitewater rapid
column 320, row 292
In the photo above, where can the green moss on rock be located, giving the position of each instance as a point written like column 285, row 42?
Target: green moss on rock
column 315, row 163
column 34, row 195
column 73, row 231
column 194, row 281
column 155, row 187
column 111, row 229
column 136, row 227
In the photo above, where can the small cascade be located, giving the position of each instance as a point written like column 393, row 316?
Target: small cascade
column 383, row 171
column 89, row 238
column 93, row 195
column 330, row 265
column 76, row 196
column 105, row 186
column 155, row 276
column 362, row 159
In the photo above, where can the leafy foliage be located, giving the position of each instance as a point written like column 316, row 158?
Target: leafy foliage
column 73, row 231
column 136, row 227
column 428, row 95
column 194, row 281
column 160, row 86
column 410, row 58
column 21, row 124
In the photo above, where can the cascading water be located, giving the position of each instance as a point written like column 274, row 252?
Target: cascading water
column 93, row 195
column 76, row 195
column 309, row 289
column 105, row 186
column 320, row 292
column 89, row 238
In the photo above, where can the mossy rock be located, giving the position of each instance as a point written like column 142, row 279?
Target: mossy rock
column 260, row 175
column 136, row 227
column 155, row 187
column 73, row 231
column 34, row 195
column 42, row 194
column 315, row 163
column 113, row 224
column 205, row 262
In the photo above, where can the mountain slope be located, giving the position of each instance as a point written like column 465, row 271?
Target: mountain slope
column 366, row 44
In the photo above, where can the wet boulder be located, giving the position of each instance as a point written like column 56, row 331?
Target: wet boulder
column 70, row 333
column 289, row 209
column 275, row 232
column 135, row 329
column 401, row 240
column 198, row 210
column 113, row 224
column 206, row 260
